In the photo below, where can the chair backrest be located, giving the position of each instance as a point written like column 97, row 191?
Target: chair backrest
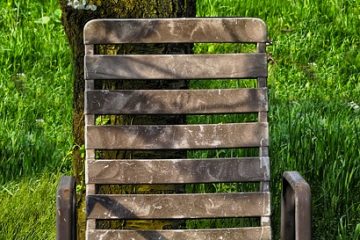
column 186, row 137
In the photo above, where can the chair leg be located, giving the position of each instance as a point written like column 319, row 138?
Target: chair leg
column 295, row 208
column 66, row 209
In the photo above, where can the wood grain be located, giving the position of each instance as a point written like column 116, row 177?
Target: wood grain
column 199, row 66
column 179, row 206
column 175, row 101
column 181, row 30
column 169, row 171
column 202, row 136
column 250, row 233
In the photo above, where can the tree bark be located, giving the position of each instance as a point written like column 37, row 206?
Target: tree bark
column 75, row 14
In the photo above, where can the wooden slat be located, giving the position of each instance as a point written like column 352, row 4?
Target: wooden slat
column 107, row 31
column 249, row 233
column 201, row 66
column 179, row 206
column 167, row 171
column 175, row 101
column 206, row 136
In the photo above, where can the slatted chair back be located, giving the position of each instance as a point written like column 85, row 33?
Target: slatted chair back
column 185, row 137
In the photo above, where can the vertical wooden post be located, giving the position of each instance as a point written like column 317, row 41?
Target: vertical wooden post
column 263, row 150
column 90, row 153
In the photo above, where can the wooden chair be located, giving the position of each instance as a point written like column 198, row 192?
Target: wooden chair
column 296, row 220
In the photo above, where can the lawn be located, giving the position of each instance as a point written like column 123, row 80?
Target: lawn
column 314, row 81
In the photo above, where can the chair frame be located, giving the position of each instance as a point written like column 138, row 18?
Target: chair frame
column 295, row 201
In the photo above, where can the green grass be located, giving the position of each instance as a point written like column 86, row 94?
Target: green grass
column 314, row 96
column 35, row 116
column 35, row 86
column 28, row 207
column 314, row 114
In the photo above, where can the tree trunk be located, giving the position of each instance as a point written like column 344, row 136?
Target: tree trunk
column 75, row 13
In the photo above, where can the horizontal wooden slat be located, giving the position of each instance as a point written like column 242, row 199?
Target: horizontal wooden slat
column 175, row 101
column 249, row 233
column 200, row 66
column 181, row 30
column 179, row 206
column 206, row 136
column 163, row 171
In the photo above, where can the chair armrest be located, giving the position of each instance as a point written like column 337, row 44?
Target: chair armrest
column 66, row 209
column 295, row 208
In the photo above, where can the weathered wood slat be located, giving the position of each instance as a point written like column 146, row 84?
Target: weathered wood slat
column 201, row 66
column 249, row 233
column 108, row 31
column 205, row 136
column 175, row 101
column 168, row 171
column 180, row 206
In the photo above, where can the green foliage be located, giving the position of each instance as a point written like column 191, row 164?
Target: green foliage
column 35, row 116
column 314, row 115
column 28, row 208
column 35, row 87
column 314, row 102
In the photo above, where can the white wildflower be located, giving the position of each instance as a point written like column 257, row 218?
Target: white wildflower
column 354, row 106
column 81, row 5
